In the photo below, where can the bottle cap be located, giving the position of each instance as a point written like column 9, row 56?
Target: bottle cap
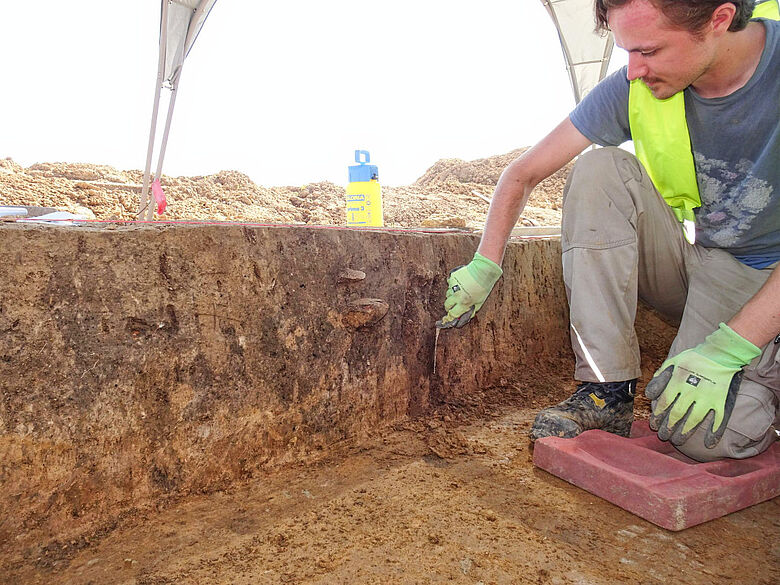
column 363, row 172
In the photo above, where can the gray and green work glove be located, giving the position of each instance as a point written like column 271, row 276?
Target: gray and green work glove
column 467, row 289
column 696, row 382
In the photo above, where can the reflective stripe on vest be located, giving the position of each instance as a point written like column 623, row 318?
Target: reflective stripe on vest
column 662, row 142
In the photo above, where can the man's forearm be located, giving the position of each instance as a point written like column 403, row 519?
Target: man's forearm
column 518, row 180
column 509, row 199
column 759, row 319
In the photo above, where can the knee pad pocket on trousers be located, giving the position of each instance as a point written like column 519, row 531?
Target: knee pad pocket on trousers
column 754, row 411
column 598, row 210
column 766, row 370
column 746, row 431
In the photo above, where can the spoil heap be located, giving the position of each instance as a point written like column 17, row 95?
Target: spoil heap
column 450, row 193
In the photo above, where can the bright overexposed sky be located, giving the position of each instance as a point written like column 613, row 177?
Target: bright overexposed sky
column 283, row 91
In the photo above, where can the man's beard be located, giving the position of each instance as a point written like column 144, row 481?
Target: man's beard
column 659, row 89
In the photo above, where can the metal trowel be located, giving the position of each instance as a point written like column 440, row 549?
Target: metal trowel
column 435, row 347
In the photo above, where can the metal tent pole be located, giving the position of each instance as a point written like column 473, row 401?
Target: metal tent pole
column 548, row 4
column 144, row 202
column 164, row 142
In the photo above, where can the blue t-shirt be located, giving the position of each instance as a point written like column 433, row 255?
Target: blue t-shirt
column 736, row 150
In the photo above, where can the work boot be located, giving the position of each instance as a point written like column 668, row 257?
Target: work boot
column 608, row 406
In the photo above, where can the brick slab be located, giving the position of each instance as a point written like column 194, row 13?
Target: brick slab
column 648, row 477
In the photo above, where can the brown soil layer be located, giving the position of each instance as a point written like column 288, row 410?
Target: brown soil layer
column 142, row 364
column 448, row 194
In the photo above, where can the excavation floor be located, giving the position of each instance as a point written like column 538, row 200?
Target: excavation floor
column 451, row 499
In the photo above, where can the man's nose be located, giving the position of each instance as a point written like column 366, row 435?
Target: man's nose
column 636, row 67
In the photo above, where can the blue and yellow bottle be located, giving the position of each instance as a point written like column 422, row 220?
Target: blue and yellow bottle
column 364, row 195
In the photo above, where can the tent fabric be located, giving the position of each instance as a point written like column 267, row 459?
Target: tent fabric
column 586, row 52
column 184, row 20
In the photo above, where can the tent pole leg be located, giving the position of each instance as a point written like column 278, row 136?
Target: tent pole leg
column 144, row 201
column 164, row 142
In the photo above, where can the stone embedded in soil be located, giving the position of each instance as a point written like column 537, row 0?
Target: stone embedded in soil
column 364, row 312
column 350, row 275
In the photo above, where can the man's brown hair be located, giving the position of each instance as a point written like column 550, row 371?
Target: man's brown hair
column 689, row 15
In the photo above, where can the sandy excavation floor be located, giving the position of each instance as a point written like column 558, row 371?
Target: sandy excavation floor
column 453, row 498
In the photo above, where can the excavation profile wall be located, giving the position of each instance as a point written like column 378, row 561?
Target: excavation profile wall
column 143, row 363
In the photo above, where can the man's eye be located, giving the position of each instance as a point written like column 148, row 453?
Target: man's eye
column 648, row 53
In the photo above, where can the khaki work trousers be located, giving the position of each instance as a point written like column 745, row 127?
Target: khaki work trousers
column 621, row 242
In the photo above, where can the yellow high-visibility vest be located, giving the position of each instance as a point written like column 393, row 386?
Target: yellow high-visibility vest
column 662, row 142
column 768, row 9
column 663, row 145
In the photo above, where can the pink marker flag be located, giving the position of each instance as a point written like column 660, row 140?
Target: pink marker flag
column 159, row 196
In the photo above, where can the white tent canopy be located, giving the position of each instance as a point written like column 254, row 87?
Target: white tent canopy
column 586, row 52
column 185, row 19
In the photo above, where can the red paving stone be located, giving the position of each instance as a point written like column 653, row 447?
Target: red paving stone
column 648, row 477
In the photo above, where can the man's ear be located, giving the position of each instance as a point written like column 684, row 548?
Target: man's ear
column 722, row 17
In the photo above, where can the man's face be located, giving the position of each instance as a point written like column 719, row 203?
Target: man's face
column 667, row 59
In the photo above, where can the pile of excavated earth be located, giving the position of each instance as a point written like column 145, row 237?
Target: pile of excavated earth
column 451, row 193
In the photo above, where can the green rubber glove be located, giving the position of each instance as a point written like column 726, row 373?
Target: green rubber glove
column 696, row 382
column 467, row 289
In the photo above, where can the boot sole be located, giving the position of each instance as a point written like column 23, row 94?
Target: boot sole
column 557, row 425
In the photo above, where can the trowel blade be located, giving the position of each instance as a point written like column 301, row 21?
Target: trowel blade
column 435, row 347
